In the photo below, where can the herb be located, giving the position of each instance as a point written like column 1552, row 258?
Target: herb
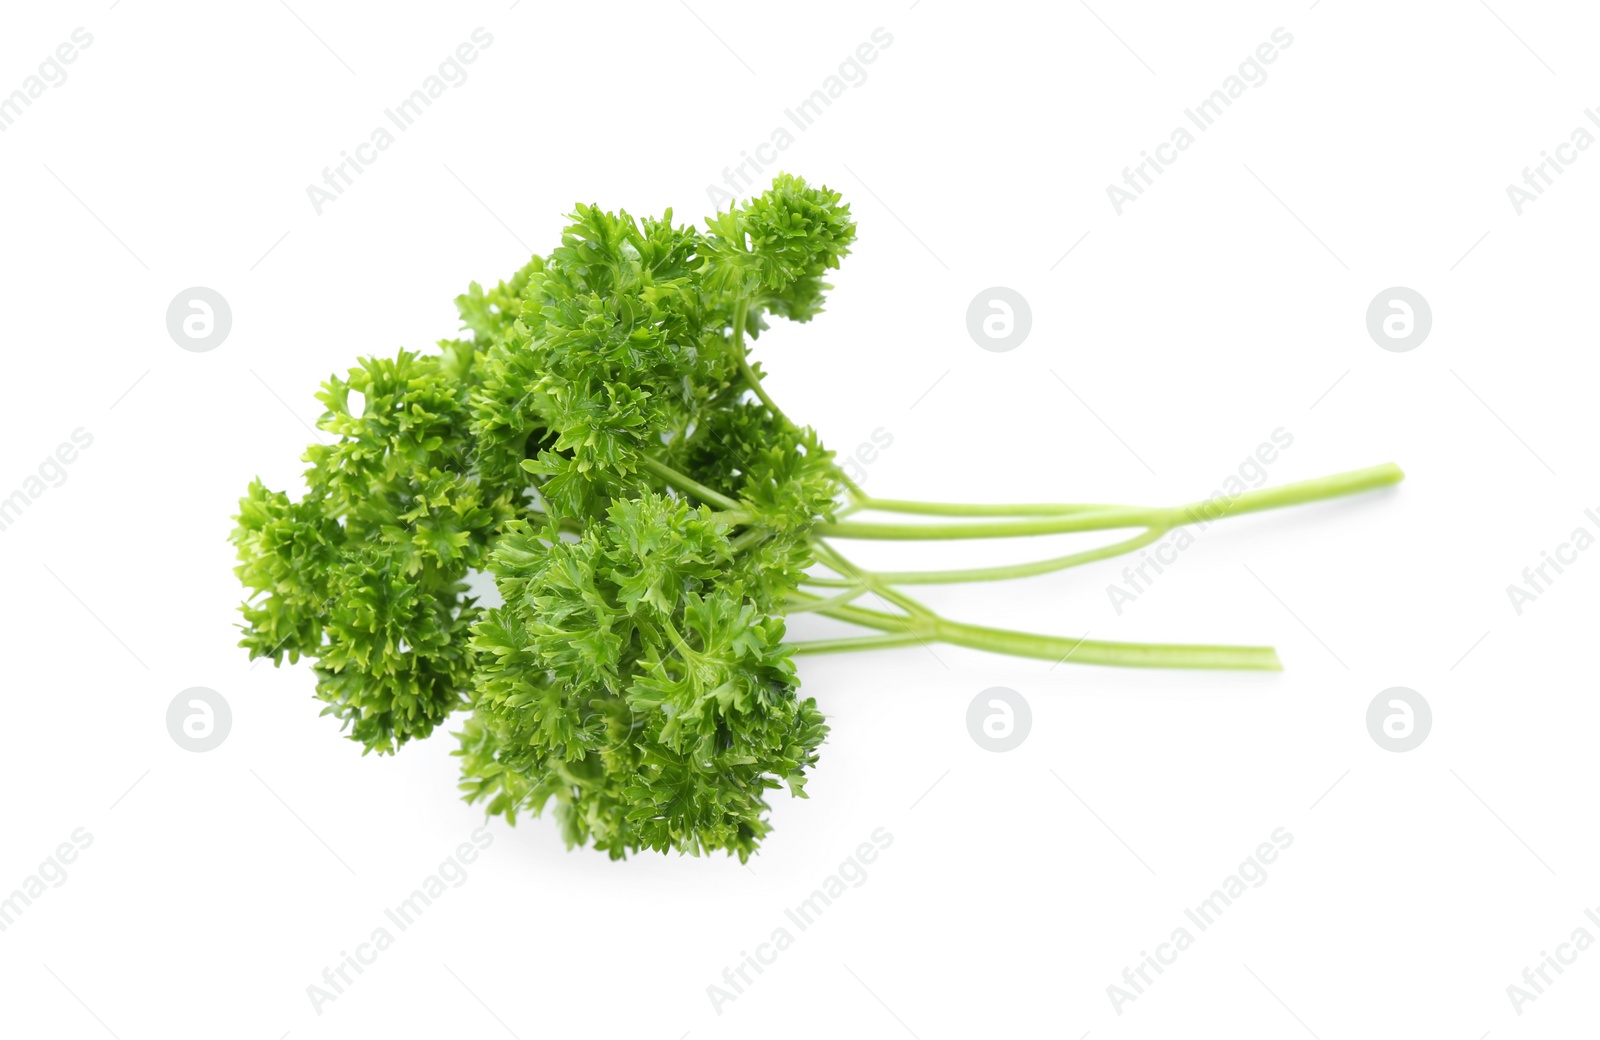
column 602, row 444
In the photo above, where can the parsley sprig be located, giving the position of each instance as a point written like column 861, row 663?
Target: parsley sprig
column 600, row 441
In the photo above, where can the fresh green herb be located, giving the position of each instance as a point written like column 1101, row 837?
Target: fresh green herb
column 601, row 443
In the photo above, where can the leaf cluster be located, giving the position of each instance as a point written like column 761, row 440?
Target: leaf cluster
column 593, row 443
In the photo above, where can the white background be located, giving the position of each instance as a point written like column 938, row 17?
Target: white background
column 1223, row 304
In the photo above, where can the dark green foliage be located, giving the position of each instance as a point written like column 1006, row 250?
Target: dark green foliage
column 366, row 572
column 636, row 684
column 637, row 675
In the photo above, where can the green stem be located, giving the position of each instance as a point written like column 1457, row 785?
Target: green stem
column 1058, row 649
column 1127, row 655
column 751, row 537
column 1021, row 570
column 1298, row 493
column 848, row 595
column 867, row 579
column 900, row 505
column 830, row 583
column 688, row 484
column 741, row 314
column 1099, row 520
column 1129, row 516
column 834, row 646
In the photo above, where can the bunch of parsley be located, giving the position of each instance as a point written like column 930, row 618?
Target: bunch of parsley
column 602, row 444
